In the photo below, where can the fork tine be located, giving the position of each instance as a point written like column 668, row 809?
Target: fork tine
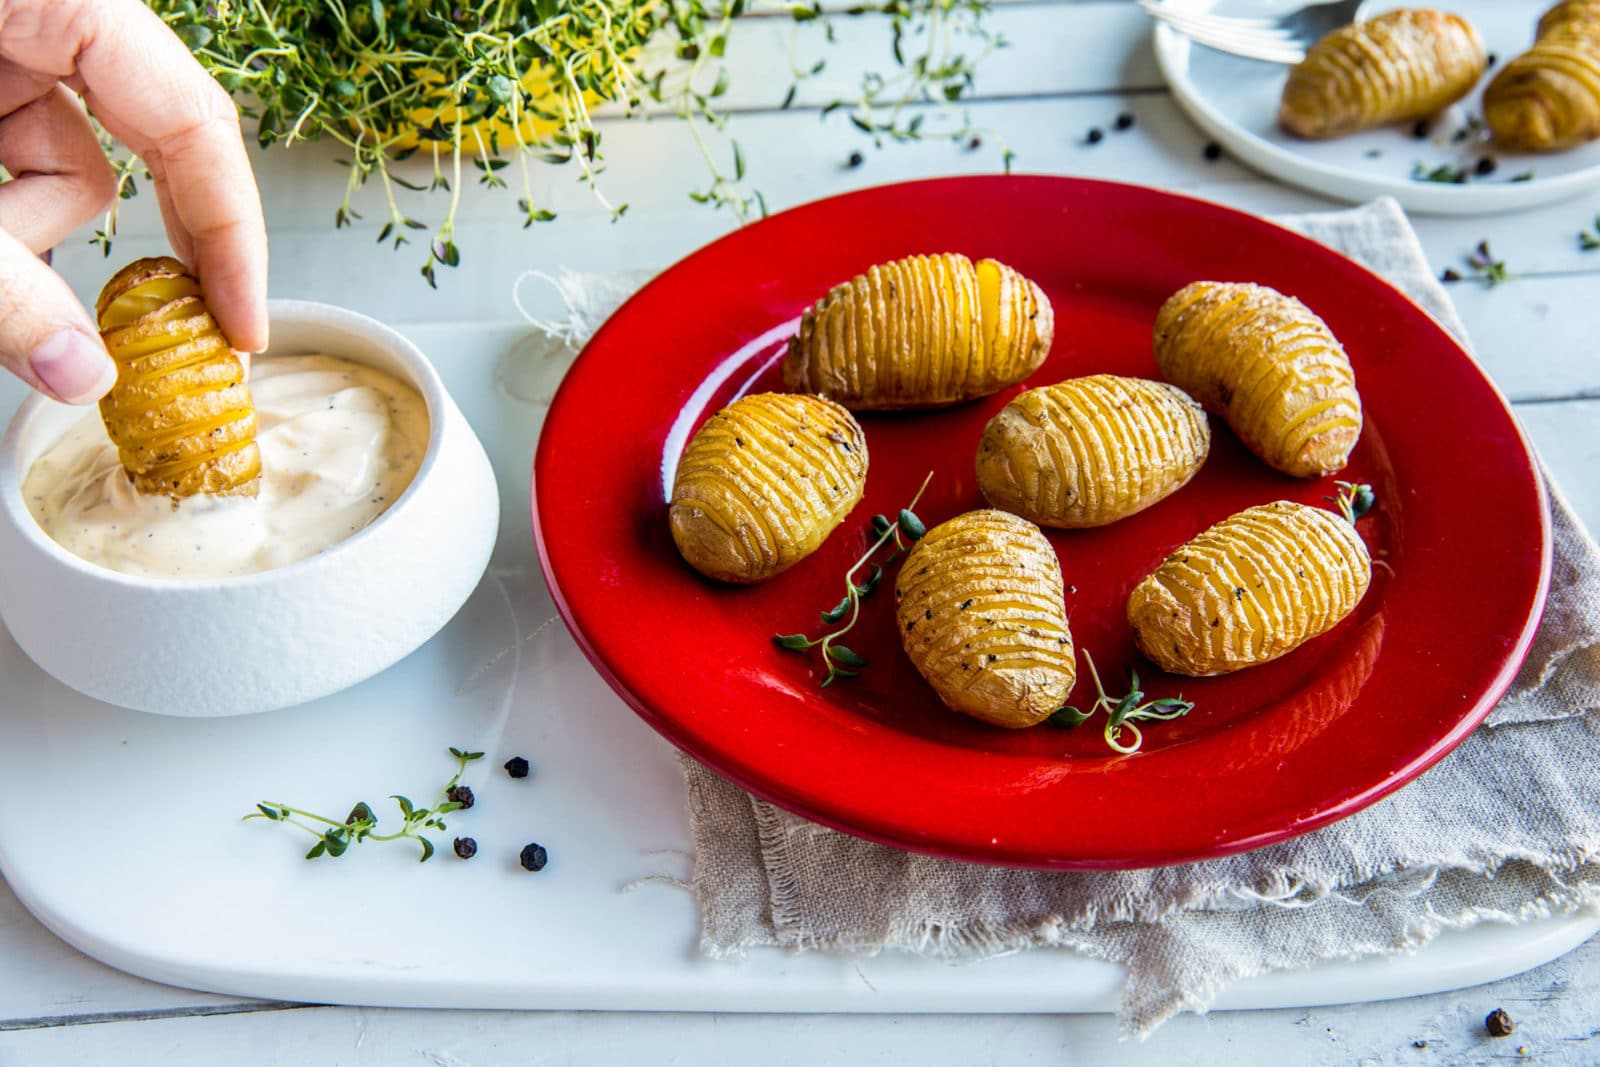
column 1269, row 53
column 1240, row 22
column 1224, row 30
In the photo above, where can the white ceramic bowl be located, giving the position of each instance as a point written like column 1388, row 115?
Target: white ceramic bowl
column 240, row 645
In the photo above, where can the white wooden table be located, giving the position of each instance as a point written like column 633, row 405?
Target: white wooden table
column 1073, row 65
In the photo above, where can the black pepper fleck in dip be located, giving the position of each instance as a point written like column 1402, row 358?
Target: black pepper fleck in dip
column 534, row 857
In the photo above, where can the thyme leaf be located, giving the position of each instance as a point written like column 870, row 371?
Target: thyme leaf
column 1490, row 271
column 841, row 661
column 335, row 837
column 1589, row 240
column 1353, row 500
column 1123, row 713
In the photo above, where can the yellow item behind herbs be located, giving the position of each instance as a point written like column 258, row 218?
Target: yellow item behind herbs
column 924, row 331
column 180, row 412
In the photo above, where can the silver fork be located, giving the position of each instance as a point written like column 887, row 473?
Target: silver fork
column 1274, row 39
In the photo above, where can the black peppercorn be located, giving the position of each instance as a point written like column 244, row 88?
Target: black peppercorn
column 1094, row 136
column 1491, row 59
column 1450, row 275
column 1125, row 121
column 855, row 160
column 1419, row 1043
column 517, row 767
column 466, row 847
column 462, row 795
column 1486, row 165
column 1498, row 1023
column 534, row 857
column 975, row 144
column 1213, row 152
column 1421, row 129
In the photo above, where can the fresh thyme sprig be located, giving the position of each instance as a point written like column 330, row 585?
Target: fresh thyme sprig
column 495, row 84
column 1589, row 241
column 1124, row 712
column 840, row 660
column 1353, row 500
column 358, row 826
column 128, row 169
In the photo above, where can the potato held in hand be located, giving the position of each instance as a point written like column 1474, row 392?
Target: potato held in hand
column 1090, row 451
column 1548, row 98
column 924, row 331
column 984, row 619
column 1269, row 366
column 180, row 413
column 764, row 482
column 1254, row 587
column 1398, row 66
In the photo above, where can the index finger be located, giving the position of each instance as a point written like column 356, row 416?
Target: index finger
column 150, row 93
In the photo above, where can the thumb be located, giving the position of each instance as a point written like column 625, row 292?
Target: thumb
column 46, row 336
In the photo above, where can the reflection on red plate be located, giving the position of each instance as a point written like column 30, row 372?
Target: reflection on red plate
column 1268, row 753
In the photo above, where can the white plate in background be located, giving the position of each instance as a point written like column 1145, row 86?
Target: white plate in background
column 1235, row 101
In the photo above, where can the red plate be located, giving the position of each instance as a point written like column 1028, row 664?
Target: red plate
column 1268, row 753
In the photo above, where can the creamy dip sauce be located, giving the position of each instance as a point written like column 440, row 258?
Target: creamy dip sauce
column 339, row 443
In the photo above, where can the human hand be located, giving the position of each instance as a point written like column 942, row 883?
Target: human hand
column 147, row 91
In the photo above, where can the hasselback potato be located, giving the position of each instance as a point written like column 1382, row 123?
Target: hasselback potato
column 1269, row 366
column 180, row 412
column 983, row 617
column 1549, row 97
column 1253, row 587
column 924, row 331
column 1398, row 66
column 764, row 482
column 1089, row 451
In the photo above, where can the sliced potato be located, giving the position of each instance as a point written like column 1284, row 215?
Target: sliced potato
column 924, row 331
column 1254, row 587
column 764, row 482
column 984, row 619
column 1269, row 366
column 1395, row 67
column 1090, row 451
column 180, row 413
column 1548, row 98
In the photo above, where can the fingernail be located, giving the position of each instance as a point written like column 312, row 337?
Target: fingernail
column 74, row 366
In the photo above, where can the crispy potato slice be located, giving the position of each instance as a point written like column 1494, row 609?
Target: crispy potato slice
column 1269, row 366
column 1395, row 67
column 924, row 331
column 1090, row 451
column 1255, row 586
column 764, row 482
column 983, row 617
column 180, row 413
column 1548, row 98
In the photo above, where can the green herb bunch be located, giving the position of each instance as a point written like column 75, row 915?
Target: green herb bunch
column 493, row 85
column 335, row 837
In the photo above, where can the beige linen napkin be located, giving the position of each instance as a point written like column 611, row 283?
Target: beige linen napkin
column 1505, row 829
